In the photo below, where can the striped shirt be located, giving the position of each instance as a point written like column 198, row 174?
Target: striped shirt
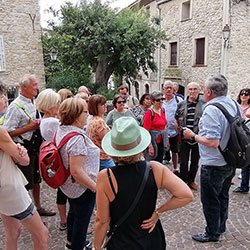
column 190, row 114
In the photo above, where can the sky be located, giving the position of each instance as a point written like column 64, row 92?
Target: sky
column 45, row 4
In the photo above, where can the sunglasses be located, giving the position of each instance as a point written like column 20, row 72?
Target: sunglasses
column 245, row 94
column 159, row 99
column 69, row 96
column 119, row 102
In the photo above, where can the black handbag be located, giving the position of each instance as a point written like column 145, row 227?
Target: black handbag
column 112, row 230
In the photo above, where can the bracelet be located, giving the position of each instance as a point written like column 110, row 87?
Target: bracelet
column 158, row 213
column 193, row 137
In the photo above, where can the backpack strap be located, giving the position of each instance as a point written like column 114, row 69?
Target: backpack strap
column 223, row 110
column 152, row 114
column 21, row 107
column 65, row 138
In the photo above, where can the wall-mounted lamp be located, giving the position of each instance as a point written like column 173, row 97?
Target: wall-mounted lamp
column 226, row 35
column 53, row 55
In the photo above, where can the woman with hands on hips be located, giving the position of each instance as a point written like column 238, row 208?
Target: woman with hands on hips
column 117, row 188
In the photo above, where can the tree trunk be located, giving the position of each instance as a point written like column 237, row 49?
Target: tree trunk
column 103, row 72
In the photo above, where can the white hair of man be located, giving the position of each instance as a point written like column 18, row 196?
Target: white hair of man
column 83, row 89
column 218, row 84
column 196, row 83
column 25, row 80
column 168, row 82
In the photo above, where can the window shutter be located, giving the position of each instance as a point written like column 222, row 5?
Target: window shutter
column 2, row 55
column 200, row 51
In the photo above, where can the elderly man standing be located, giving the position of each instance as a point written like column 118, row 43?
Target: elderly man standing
column 188, row 115
column 216, row 175
column 131, row 101
column 22, row 121
column 170, row 106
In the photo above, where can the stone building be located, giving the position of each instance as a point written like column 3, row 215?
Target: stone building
column 20, row 42
column 205, row 37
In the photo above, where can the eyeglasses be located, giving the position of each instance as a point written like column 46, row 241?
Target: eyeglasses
column 245, row 94
column 159, row 99
column 119, row 102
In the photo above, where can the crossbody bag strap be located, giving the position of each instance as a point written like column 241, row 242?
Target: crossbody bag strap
column 135, row 202
column 21, row 107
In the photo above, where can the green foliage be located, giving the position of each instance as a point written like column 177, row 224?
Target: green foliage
column 93, row 35
column 108, row 93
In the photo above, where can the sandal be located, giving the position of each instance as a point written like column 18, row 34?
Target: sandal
column 44, row 212
column 63, row 226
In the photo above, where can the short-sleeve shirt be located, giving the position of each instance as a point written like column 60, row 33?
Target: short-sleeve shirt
column 96, row 126
column 48, row 127
column 76, row 146
column 214, row 125
column 16, row 118
column 170, row 108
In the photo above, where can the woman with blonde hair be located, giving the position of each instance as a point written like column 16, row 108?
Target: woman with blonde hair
column 118, row 188
column 81, row 156
column 65, row 93
column 48, row 102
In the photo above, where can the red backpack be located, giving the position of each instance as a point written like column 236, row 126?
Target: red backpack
column 50, row 162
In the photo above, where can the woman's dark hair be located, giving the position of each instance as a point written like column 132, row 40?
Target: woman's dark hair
column 93, row 103
column 2, row 88
column 247, row 91
column 116, row 97
column 143, row 97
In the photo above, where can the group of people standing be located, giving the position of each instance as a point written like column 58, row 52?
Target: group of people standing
column 107, row 160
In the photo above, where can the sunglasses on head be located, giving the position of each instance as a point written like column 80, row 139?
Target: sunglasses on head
column 244, row 93
column 69, row 96
column 159, row 99
column 119, row 102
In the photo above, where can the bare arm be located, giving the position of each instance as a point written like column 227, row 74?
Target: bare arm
column 33, row 125
column 102, row 219
column 76, row 163
column 181, row 193
column 17, row 152
column 248, row 113
column 212, row 143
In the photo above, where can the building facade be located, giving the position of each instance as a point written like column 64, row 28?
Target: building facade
column 205, row 37
column 20, row 43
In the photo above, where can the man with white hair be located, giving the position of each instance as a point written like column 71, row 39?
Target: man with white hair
column 216, row 174
column 188, row 115
column 170, row 106
column 22, row 121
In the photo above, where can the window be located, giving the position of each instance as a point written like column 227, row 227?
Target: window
column 173, row 54
column 185, row 14
column 2, row 56
column 200, row 51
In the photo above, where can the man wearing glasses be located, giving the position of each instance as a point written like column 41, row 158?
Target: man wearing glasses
column 131, row 101
column 188, row 115
column 170, row 106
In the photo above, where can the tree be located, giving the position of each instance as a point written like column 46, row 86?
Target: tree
column 93, row 34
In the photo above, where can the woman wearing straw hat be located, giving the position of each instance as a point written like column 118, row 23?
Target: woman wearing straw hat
column 118, row 187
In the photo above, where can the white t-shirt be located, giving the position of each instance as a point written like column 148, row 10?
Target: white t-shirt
column 48, row 127
column 14, row 198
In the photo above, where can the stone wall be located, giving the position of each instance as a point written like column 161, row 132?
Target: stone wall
column 21, row 31
column 238, row 70
column 206, row 20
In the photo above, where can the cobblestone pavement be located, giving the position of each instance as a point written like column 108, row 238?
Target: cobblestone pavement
column 178, row 224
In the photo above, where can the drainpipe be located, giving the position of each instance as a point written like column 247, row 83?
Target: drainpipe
column 158, row 3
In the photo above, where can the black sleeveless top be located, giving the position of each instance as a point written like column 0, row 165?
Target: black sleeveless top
column 130, row 236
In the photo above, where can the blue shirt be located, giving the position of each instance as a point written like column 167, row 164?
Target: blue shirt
column 214, row 125
column 170, row 110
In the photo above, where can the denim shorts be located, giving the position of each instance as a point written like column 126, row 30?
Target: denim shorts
column 28, row 213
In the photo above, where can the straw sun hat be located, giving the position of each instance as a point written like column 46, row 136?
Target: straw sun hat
column 126, row 138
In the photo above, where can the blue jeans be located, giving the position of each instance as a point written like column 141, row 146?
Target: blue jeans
column 80, row 211
column 215, row 184
column 245, row 179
